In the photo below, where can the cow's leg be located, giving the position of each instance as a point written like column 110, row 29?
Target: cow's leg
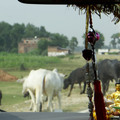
column 70, row 90
column 40, row 107
column 32, row 99
column 80, row 87
column 38, row 100
column 41, row 101
column 0, row 101
column 83, row 88
column 31, row 105
column 59, row 99
column 104, row 88
column 50, row 105
column 107, row 85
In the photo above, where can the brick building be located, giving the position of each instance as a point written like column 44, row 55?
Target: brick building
column 27, row 45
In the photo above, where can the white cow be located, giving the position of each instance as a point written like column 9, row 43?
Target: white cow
column 41, row 83
column 53, row 84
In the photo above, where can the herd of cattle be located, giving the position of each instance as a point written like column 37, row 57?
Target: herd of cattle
column 108, row 70
column 42, row 83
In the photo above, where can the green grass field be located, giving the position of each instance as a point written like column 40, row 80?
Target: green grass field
column 12, row 91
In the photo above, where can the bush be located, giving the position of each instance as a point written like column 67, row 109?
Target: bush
column 44, row 53
column 22, row 67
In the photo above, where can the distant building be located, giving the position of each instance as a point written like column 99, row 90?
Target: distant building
column 114, row 51
column 103, row 51
column 57, row 51
column 27, row 45
column 108, row 51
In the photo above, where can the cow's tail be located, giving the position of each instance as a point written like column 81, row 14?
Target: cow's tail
column 42, row 92
column 43, row 89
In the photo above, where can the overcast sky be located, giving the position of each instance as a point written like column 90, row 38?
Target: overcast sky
column 56, row 19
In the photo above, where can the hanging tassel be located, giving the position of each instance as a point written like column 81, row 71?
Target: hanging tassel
column 99, row 102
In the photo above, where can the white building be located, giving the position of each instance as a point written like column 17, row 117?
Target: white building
column 57, row 51
column 103, row 51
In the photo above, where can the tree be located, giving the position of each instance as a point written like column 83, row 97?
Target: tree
column 119, row 42
column 73, row 43
column 42, row 46
column 5, row 41
column 113, row 43
column 115, row 40
column 43, row 32
column 11, row 35
column 99, row 43
column 30, row 31
column 58, row 40
column 16, row 34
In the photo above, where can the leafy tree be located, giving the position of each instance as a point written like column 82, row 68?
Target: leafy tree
column 43, row 32
column 16, row 35
column 11, row 35
column 42, row 46
column 115, row 40
column 99, row 43
column 119, row 40
column 5, row 41
column 113, row 43
column 31, row 31
column 58, row 40
column 73, row 43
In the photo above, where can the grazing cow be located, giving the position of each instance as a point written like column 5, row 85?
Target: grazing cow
column 76, row 76
column 41, row 83
column 0, row 96
column 28, row 93
column 107, row 71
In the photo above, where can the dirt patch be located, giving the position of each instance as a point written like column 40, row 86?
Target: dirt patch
column 74, row 103
column 4, row 76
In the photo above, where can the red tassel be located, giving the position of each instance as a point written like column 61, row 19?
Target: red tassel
column 99, row 102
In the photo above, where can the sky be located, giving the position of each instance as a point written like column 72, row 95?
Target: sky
column 56, row 19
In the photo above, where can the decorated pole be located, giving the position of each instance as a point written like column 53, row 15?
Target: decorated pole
column 98, row 96
column 87, row 25
column 88, row 52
